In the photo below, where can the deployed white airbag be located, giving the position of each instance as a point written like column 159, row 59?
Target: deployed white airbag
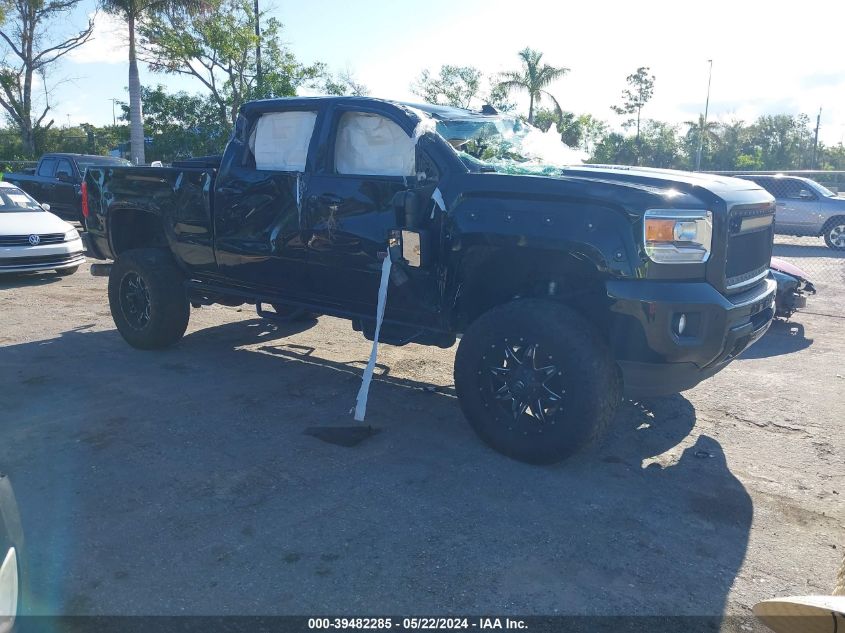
column 280, row 140
column 371, row 145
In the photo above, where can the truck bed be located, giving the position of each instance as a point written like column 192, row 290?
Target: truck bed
column 180, row 197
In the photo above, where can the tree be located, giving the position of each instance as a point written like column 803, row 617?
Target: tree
column 639, row 92
column 455, row 86
column 29, row 38
column 784, row 140
column 704, row 134
column 180, row 125
column 218, row 48
column 533, row 78
column 133, row 12
column 344, row 84
column 581, row 131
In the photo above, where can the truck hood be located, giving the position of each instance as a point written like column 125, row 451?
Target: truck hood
column 716, row 183
column 29, row 222
column 634, row 188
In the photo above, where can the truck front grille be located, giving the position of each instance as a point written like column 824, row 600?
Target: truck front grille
column 749, row 250
column 23, row 240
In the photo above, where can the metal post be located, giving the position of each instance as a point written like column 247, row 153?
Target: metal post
column 704, row 123
column 258, row 77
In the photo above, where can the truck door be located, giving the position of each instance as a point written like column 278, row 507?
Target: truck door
column 61, row 194
column 797, row 206
column 257, row 205
column 351, row 212
column 46, row 171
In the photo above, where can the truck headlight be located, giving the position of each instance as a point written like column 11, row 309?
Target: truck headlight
column 71, row 235
column 677, row 236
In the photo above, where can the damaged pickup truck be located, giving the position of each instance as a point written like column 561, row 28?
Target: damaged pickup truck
column 567, row 286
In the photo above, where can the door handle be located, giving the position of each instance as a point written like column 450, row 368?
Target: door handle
column 329, row 199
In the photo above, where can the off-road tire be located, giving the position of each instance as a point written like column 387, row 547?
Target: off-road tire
column 169, row 310
column 588, row 380
column 65, row 272
column 829, row 226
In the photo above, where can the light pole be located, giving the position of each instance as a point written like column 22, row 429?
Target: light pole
column 704, row 123
column 259, row 79
column 113, row 118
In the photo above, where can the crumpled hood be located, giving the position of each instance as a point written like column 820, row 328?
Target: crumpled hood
column 29, row 222
column 785, row 267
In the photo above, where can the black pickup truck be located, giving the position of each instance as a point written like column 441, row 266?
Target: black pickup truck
column 57, row 179
column 568, row 286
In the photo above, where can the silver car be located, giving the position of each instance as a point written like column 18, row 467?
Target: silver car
column 804, row 207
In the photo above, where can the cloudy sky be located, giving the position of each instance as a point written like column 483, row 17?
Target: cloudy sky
column 766, row 59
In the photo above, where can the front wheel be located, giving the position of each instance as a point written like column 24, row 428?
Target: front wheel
column 147, row 298
column 834, row 234
column 536, row 382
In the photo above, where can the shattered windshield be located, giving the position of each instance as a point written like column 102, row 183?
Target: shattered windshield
column 508, row 145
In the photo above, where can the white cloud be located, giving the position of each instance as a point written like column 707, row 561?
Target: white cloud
column 108, row 44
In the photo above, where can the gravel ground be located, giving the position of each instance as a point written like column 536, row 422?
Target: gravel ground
column 182, row 482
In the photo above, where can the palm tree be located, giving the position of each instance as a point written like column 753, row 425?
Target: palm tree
column 533, row 78
column 708, row 131
column 133, row 11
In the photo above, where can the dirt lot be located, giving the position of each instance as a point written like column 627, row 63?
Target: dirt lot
column 181, row 482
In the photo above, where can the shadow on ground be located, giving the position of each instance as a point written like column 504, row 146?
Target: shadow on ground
column 19, row 280
column 783, row 337
column 181, row 482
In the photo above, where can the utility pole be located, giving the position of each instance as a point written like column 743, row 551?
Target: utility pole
column 259, row 80
column 113, row 117
column 816, row 140
column 704, row 123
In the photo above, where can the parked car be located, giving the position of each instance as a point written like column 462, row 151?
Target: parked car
column 567, row 285
column 57, row 178
column 32, row 238
column 793, row 287
column 805, row 208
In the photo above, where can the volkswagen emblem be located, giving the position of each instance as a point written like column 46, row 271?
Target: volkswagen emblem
column 34, row 240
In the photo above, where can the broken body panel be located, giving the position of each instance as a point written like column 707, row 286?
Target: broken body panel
column 317, row 237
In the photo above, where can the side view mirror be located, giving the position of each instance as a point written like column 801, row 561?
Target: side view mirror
column 407, row 207
column 63, row 176
column 45, row 206
column 805, row 194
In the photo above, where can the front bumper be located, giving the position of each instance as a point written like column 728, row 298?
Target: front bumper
column 654, row 358
column 22, row 259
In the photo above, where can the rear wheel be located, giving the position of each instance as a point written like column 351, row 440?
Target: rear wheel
column 834, row 233
column 64, row 272
column 147, row 298
column 535, row 381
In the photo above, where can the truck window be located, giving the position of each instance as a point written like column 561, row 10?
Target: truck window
column 784, row 188
column 47, row 167
column 372, row 145
column 280, row 140
column 64, row 166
